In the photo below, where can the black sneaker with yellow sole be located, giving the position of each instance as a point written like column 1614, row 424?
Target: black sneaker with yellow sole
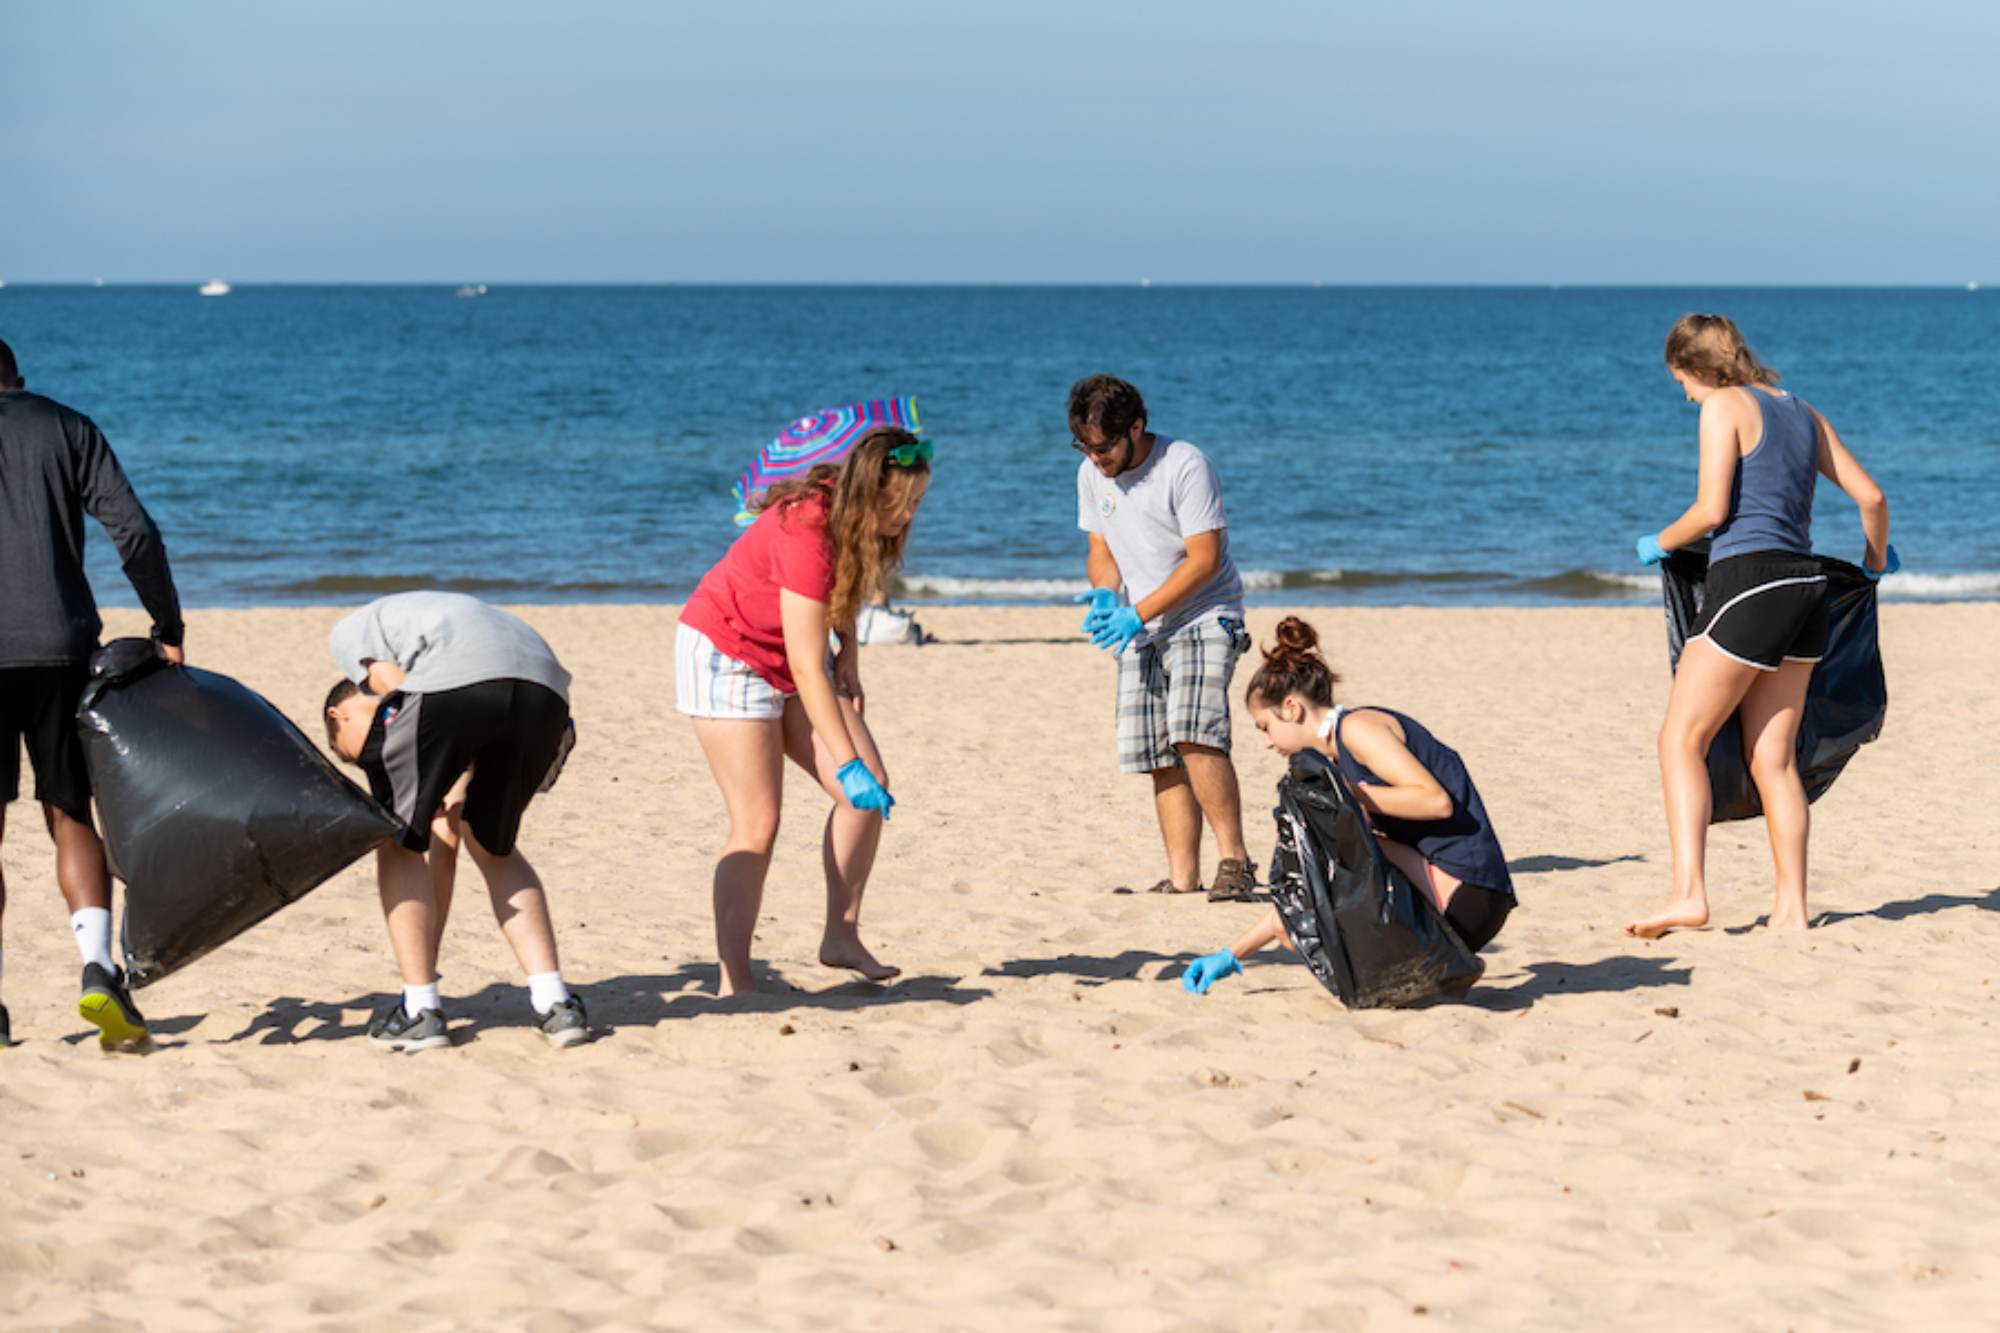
column 108, row 1005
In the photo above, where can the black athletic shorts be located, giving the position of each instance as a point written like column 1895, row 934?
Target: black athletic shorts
column 38, row 705
column 510, row 733
column 1477, row 914
column 1765, row 609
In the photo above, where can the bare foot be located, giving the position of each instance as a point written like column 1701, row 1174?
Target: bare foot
column 853, row 954
column 1784, row 919
column 1681, row 914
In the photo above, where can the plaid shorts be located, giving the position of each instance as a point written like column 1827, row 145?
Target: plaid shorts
column 1175, row 691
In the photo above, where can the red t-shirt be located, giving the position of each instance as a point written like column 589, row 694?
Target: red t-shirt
column 736, row 603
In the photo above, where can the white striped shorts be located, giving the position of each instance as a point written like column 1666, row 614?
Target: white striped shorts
column 710, row 683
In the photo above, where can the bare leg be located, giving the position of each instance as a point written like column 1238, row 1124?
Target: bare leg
column 1772, row 710
column 1706, row 690
column 848, row 846
column 519, row 905
column 1180, row 826
column 443, row 855
column 748, row 760
column 80, row 868
column 405, row 884
column 1212, row 774
column 1438, row 885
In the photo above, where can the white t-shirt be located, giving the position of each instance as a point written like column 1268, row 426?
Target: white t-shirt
column 1146, row 516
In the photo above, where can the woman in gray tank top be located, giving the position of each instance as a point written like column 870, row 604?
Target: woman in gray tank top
column 1763, row 622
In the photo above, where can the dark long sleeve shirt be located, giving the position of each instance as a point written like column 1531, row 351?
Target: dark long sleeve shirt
column 54, row 468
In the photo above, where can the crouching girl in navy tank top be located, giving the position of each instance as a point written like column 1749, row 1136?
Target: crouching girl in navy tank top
column 1763, row 621
column 1426, row 814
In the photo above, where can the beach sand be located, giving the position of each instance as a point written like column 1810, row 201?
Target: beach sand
column 1037, row 1127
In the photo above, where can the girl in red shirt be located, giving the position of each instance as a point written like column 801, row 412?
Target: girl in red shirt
column 752, row 668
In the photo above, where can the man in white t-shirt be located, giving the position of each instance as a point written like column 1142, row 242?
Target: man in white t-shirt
column 1153, row 508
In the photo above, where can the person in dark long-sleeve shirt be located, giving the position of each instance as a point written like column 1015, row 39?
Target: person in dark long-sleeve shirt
column 55, row 467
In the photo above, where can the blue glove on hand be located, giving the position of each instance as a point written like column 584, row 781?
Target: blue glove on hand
column 863, row 792
column 1117, row 629
column 1890, row 564
column 1103, row 601
column 1649, row 549
column 1208, row 969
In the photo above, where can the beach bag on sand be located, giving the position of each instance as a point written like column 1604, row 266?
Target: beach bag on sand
column 1845, row 704
column 216, row 810
column 1369, row 935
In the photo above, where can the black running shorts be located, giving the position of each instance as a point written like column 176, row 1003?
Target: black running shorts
column 38, row 705
column 508, row 732
column 1765, row 609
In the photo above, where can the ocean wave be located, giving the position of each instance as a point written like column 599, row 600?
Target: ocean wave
column 1590, row 584
column 1942, row 587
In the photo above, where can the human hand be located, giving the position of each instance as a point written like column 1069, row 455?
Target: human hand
column 1208, row 969
column 173, row 652
column 1891, row 562
column 1649, row 549
column 847, row 678
column 1117, row 629
column 861, row 789
column 1103, row 601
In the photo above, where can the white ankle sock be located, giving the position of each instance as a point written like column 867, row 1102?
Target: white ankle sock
column 416, row 999
column 92, row 928
column 546, row 991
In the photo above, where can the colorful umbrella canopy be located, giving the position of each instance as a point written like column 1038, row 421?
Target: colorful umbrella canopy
column 824, row 437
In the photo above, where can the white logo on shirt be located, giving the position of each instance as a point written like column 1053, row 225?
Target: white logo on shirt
column 1105, row 504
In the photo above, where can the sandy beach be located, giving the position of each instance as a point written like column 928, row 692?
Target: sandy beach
column 1036, row 1127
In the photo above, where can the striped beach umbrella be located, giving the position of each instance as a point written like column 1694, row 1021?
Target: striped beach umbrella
column 823, row 437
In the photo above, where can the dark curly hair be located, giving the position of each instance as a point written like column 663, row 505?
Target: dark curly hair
column 1105, row 403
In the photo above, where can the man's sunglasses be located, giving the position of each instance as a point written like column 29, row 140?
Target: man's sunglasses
column 911, row 454
column 1099, row 450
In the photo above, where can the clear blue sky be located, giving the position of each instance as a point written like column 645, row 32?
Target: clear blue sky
column 1018, row 141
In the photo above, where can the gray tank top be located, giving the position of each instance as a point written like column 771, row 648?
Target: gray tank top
column 1771, row 499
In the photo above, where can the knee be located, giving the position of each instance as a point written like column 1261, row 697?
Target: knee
column 1678, row 739
column 755, row 833
column 1773, row 765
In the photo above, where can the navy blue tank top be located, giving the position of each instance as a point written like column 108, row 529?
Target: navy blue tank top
column 1771, row 499
column 1463, row 843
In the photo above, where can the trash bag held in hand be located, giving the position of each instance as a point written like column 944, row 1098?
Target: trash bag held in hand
column 1845, row 703
column 1371, row 937
column 217, row 811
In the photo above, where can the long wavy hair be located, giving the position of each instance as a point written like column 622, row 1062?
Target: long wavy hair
column 857, row 493
column 1712, row 348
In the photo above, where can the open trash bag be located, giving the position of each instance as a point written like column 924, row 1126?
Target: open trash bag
column 1369, row 935
column 1845, row 704
column 217, row 811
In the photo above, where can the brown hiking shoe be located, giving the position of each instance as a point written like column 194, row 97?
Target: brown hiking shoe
column 1235, row 882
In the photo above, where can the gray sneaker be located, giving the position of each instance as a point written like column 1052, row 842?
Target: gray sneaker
column 566, row 1025
column 394, row 1030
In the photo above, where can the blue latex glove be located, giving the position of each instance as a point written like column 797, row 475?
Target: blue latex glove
column 1649, row 549
column 1103, row 601
column 1208, row 969
column 1117, row 629
column 863, row 792
column 1890, row 564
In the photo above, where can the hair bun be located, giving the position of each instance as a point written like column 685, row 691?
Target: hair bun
column 1295, row 639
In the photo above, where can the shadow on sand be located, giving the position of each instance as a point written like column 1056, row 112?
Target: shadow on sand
column 615, row 1002
column 1542, row 865
column 1927, row 905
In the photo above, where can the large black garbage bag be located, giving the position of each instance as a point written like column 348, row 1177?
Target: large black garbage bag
column 1845, row 704
column 217, row 811
column 1371, row 937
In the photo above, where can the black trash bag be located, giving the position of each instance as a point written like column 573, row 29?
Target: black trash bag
column 217, row 811
column 1845, row 704
column 1371, row 937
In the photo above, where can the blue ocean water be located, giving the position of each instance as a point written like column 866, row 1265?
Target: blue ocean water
column 1382, row 445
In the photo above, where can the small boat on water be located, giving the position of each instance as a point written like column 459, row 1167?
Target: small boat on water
column 470, row 290
column 213, row 287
